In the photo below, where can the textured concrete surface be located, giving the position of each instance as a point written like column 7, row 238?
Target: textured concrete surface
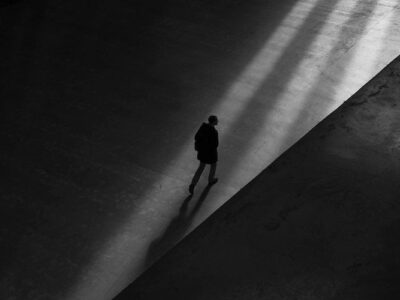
column 100, row 101
column 321, row 222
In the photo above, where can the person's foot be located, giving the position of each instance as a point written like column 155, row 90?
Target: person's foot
column 191, row 188
column 213, row 181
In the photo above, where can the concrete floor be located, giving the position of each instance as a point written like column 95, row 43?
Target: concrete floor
column 321, row 222
column 101, row 102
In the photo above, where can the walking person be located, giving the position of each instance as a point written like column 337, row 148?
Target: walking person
column 206, row 144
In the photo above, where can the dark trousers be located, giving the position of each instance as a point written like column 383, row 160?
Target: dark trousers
column 199, row 171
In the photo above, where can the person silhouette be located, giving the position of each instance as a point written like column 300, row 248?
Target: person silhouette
column 206, row 144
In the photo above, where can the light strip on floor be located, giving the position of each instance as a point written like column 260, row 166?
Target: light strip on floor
column 269, row 142
column 368, row 54
column 263, row 63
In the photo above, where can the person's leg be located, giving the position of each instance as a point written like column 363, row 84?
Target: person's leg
column 211, row 175
column 196, row 176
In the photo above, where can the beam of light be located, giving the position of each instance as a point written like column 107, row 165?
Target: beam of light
column 121, row 259
column 322, row 97
column 359, row 65
column 269, row 142
column 369, row 55
column 249, row 82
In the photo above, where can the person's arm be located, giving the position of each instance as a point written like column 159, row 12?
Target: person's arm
column 214, row 140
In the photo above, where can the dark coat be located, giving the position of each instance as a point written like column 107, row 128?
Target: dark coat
column 206, row 144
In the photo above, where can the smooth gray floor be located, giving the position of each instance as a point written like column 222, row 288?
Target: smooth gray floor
column 321, row 222
column 101, row 100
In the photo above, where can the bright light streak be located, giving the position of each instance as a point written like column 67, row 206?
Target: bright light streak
column 368, row 56
column 268, row 143
column 246, row 85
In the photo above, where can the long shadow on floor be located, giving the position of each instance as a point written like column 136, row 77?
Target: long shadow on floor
column 177, row 228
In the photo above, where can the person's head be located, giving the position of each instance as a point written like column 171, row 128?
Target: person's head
column 213, row 120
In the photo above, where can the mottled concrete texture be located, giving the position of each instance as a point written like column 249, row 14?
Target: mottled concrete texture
column 321, row 222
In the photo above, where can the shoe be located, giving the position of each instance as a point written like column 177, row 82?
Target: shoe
column 191, row 188
column 214, row 181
